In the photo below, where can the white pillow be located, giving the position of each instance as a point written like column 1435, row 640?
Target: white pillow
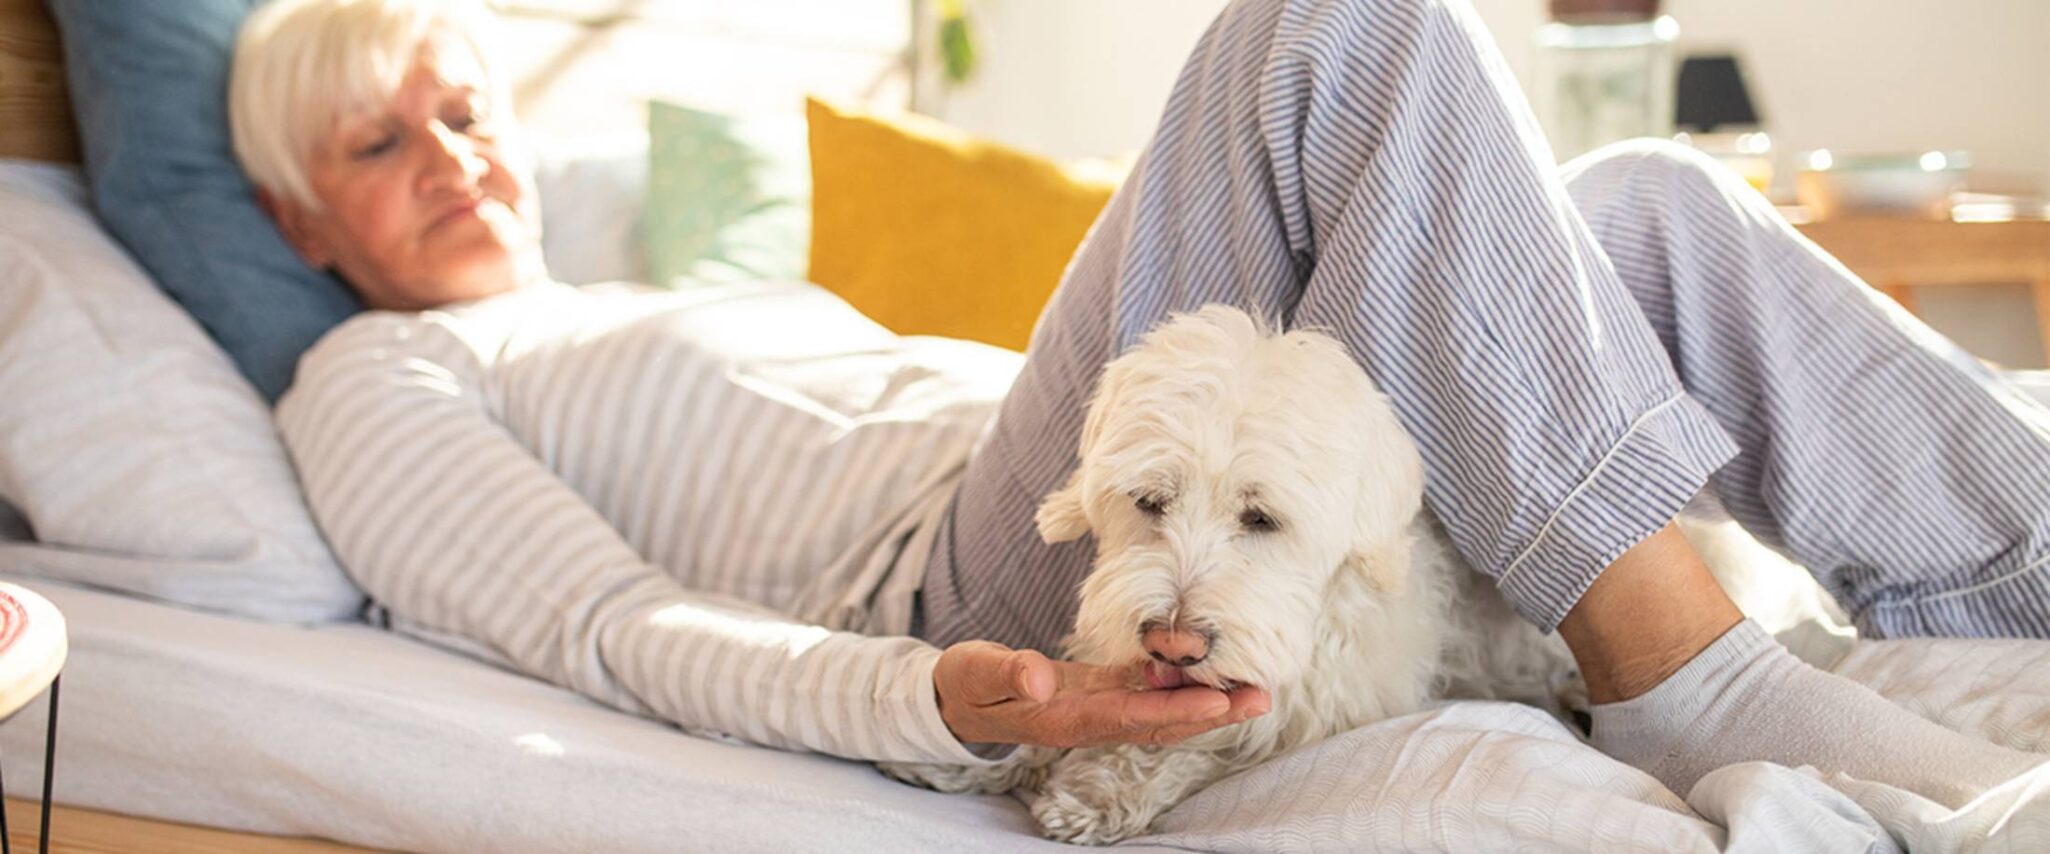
column 593, row 195
column 136, row 454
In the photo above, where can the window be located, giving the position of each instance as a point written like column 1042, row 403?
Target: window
column 589, row 66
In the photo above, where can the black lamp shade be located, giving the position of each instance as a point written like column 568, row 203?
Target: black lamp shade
column 1711, row 93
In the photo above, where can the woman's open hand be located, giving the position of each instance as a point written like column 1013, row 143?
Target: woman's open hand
column 991, row 693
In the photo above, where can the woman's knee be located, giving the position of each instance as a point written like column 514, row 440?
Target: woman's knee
column 1650, row 162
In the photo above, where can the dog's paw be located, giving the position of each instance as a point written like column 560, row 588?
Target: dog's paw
column 1066, row 817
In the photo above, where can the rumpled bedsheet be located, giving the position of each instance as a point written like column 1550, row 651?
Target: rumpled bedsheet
column 1499, row 776
column 372, row 738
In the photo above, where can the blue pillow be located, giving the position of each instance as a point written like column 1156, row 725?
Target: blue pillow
column 149, row 85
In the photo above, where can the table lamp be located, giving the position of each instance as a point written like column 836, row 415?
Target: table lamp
column 1713, row 111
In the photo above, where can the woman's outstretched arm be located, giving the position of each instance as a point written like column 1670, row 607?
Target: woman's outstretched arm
column 446, row 519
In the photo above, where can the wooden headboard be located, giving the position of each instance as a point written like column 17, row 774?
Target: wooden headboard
column 35, row 113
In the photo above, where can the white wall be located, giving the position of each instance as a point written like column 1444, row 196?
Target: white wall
column 1088, row 77
column 1075, row 78
column 1884, row 75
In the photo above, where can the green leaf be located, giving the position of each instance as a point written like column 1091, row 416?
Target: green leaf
column 957, row 46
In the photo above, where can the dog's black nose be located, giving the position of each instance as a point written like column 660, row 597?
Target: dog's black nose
column 1180, row 648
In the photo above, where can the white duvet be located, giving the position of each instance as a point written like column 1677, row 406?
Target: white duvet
column 1494, row 777
column 361, row 735
column 1497, row 776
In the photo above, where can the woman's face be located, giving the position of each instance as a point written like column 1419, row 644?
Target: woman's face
column 428, row 201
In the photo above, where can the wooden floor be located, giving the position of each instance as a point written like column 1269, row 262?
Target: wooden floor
column 83, row 831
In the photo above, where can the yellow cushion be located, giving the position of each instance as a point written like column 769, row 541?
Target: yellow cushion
column 932, row 231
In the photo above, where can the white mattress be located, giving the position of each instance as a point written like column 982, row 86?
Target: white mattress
column 357, row 734
column 361, row 735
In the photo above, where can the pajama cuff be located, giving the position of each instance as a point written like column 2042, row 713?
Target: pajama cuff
column 1631, row 492
column 1997, row 608
column 914, row 714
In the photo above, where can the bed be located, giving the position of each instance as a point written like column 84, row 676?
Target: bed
column 353, row 733
column 348, row 731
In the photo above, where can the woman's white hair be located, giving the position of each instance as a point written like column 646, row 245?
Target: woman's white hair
column 301, row 66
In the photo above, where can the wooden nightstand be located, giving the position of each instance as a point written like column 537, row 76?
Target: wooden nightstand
column 33, row 644
column 1897, row 255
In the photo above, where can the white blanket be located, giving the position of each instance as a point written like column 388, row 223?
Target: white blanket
column 371, row 738
column 1496, row 776
column 1493, row 776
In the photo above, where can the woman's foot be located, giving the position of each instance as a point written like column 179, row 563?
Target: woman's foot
column 1746, row 698
column 1679, row 692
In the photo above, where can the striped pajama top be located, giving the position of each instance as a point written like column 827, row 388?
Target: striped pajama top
column 711, row 506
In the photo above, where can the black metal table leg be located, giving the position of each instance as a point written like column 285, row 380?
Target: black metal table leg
column 49, row 768
column 6, row 844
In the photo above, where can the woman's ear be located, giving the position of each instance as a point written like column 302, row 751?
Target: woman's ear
column 1060, row 516
column 297, row 225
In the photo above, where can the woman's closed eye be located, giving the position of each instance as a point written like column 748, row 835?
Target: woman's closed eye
column 471, row 114
column 463, row 121
column 375, row 148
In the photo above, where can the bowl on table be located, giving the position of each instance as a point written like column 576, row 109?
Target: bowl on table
column 1920, row 185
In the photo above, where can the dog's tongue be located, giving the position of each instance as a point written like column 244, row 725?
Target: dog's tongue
column 1161, row 676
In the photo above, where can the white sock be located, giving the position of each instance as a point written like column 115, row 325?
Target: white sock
column 1746, row 698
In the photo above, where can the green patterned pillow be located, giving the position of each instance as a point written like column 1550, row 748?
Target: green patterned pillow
column 729, row 197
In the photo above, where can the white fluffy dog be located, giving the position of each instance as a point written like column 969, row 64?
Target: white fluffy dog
column 1258, row 514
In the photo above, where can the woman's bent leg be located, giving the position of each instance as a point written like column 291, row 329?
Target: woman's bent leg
column 1909, row 478
column 1198, row 221
column 1735, row 295
column 1367, row 168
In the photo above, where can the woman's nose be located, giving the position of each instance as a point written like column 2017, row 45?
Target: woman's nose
column 454, row 162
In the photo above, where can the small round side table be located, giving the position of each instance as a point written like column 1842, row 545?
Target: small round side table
column 32, row 648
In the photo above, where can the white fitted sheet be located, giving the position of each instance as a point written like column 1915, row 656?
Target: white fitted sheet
column 358, row 734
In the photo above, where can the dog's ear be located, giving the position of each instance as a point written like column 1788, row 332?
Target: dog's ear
column 1060, row 516
column 1384, row 567
column 1392, row 499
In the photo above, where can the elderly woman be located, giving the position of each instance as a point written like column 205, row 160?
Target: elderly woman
column 752, row 512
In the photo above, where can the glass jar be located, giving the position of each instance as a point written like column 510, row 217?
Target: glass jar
column 1603, row 78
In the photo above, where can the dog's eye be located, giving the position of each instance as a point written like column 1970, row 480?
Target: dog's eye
column 1151, row 505
column 1256, row 521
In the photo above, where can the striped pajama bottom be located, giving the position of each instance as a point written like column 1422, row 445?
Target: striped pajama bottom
column 1577, row 351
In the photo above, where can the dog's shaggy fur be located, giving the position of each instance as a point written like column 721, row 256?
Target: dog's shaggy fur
column 1253, row 489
